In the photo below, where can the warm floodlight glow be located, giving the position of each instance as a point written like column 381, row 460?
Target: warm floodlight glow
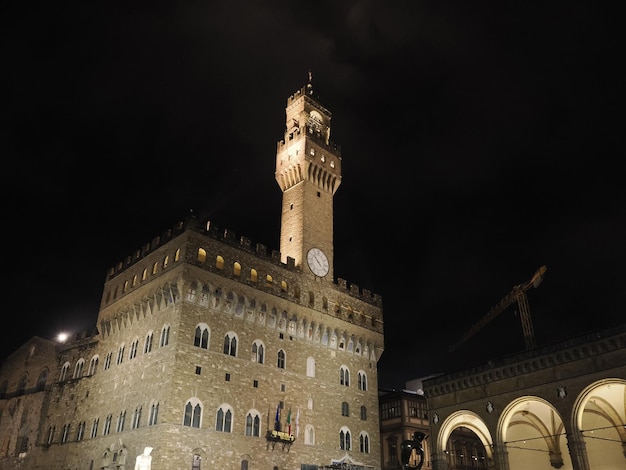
column 62, row 337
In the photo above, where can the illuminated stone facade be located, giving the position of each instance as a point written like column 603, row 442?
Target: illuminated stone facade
column 202, row 341
column 558, row 406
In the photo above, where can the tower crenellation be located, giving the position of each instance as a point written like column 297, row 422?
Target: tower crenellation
column 140, row 259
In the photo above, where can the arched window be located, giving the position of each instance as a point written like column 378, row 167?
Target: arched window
column 310, row 366
column 78, row 369
column 363, row 413
column 155, row 268
column 258, row 352
column 66, row 433
column 177, row 255
column 147, row 347
column 253, row 423
column 201, row 339
column 165, row 336
column 154, row 414
column 144, row 275
column 281, row 359
column 364, row 443
column 121, row 419
column 120, row 354
column 107, row 425
column 41, row 380
column 107, row 360
column 64, row 370
column 230, row 344
column 93, row 365
column 80, row 432
column 136, row 418
column 51, row 430
column 344, row 376
column 237, row 269
column 254, row 276
column 166, row 261
column 345, row 409
column 201, row 255
column 224, row 420
column 219, row 262
column 133, row 348
column 362, row 379
column 344, row 439
column 193, row 413
column 94, row 428
column 309, row 435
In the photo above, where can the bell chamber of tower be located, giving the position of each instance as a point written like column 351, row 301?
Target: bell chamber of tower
column 306, row 152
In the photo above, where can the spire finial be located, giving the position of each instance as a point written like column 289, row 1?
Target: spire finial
column 309, row 85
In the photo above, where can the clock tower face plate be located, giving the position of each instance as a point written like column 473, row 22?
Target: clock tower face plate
column 318, row 262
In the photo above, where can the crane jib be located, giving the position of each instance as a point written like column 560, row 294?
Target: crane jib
column 518, row 294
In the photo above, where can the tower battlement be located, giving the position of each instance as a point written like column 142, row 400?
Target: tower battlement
column 230, row 238
column 306, row 92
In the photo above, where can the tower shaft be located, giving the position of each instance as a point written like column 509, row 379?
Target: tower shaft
column 308, row 171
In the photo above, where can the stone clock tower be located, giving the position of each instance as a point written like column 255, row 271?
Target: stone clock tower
column 308, row 171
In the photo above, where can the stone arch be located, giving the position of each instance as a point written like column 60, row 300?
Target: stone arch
column 467, row 419
column 532, row 430
column 599, row 416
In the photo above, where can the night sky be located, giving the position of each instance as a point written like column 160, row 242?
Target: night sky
column 479, row 142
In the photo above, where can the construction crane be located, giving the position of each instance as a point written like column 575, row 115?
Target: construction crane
column 517, row 294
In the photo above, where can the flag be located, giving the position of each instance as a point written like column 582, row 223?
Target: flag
column 277, row 421
column 289, row 422
column 298, row 422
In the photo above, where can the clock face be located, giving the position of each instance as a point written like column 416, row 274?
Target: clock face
column 318, row 262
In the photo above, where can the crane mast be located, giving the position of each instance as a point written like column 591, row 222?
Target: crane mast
column 517, row 294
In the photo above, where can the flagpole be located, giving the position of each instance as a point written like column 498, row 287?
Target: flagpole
column 298, row 422
column 289, row 422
